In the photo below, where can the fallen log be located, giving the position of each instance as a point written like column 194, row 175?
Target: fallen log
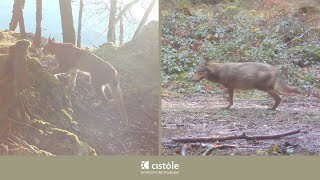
column 242, row 136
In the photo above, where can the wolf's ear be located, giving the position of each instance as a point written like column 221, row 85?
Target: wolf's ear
column 53, row 40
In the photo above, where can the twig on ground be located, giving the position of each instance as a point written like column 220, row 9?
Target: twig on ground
column 242, row 136
column 301, row 36
column 218, row 146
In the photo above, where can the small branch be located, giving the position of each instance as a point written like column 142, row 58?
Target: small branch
column 301, row 36
column 242, row 136
column 219, row 146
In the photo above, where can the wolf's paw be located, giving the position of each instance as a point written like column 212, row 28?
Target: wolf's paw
column 271, row 109
column 226, row 108
column 97, row 104
column 69, row 89
column 56, row 76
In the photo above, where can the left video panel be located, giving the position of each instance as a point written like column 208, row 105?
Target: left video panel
column 79, row 77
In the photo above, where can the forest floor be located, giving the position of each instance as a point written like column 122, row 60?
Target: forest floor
column 100, row 128
column 202, row 115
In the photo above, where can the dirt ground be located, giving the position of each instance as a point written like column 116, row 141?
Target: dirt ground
column 100, row 128
column 203, row 115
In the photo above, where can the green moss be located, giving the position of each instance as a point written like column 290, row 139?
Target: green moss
column 42, row 122
column 63, row 134
column 68, row 116
column 64, row 142
column 8, row 38
column 44, row 82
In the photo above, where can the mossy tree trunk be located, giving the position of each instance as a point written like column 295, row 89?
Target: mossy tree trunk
column 14, row 81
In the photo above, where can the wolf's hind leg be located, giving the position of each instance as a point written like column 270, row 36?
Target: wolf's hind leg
column 230, row 98
column 106, row 94
column 276, row 97
column 117, row 95
column 97, row 87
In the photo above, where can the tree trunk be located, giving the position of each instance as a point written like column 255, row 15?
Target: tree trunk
column 125, row 9
column 15, row 14
column 145, row 18
column 121, row 33
column 68, row 32
column 79, row 24
column 37, row 38
column 112, row 19
column 14, row 82
column 14, row 20
column 21, row 20
column 17, row 17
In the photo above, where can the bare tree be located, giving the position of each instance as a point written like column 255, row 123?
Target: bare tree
column 15, row 14
column 68, row 32
column 125, row 9
column 121, row 33
column 79, row 24
column 37, row 38
column 112, row 18
column 17, row 17
column 21, row 21
column 145, row 18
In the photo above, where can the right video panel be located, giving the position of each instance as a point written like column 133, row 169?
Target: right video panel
column 240, row 77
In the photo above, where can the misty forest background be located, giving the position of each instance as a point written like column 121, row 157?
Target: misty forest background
column 94, row 18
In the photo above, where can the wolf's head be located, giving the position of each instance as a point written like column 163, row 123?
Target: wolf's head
column 202, row 71
column 49, row 47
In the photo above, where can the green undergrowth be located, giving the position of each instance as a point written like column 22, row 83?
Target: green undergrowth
column 283, row 34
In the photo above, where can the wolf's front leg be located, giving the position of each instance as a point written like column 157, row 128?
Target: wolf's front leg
column 230, row 98
column 72, row 79
column 57, row 71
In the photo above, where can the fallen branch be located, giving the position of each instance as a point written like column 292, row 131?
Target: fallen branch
column 242, row 136
column 303, row 34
